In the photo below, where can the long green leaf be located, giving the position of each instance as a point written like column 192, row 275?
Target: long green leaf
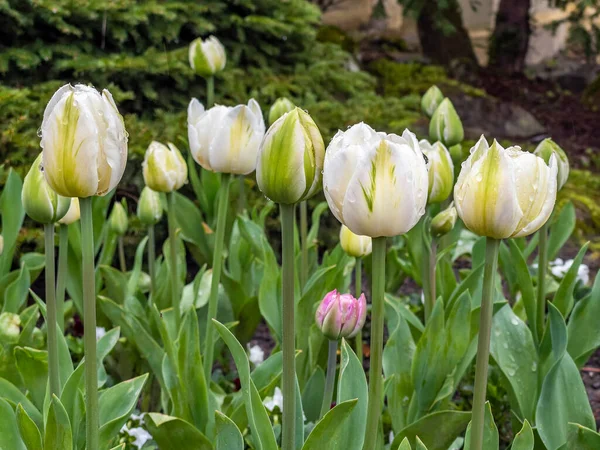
column 9, row 431
column 228, row 434
column 561, row 230
column 328, row 431
column 172, row 433
column 525, row 284
column 524, row 440
column 583, row 329
column 491, row 439
column 563, row 299
column 12, row 218
column 448, row 425
column 582, row 438
column 28, row 429
column 58, row 434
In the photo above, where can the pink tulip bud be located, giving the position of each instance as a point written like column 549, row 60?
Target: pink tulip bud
column 341, row 315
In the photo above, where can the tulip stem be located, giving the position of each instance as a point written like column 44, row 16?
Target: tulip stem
column 89, row 324
column 429, row 260
column 330, row 380
column 483, row 345
column 151, row 257
column 358, row 291
column 242, row 193
column 61, row 279
column 288, row 345
column 542, row 268
column 213, row 300
column 210, row 91
column 377, row 325
column 51, row 311
column 304, row 243
column 122, row 255
column 176, row 298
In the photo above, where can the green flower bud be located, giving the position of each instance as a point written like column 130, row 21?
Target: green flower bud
column 164, row 168
column 40, row 202
column 72, row 214
column 441, row 171
column 545, row 150
column 1, row 244
column 118, row 221
column 445, row 125
column 290, row 159
column 10, row 327
column 207, row 57
column 444, row 221
column 149, row 209
column 431, row 100
column 279, row 108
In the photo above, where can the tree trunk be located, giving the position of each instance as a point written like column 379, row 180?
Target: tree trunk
column 442, row 33
column 510, row 40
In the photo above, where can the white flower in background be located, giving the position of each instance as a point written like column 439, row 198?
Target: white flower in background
column 391, row 437
column 84, row 142
column 502, row 193
column 207, row 57
column 257, row 355
column 375, row 183
column 275, row 401
column 164, row 168
column 559, row 269
column 224, row 138
column 100, row 332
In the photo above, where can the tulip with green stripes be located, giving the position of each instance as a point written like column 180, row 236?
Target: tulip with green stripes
column 441, row 171
column 445, row 125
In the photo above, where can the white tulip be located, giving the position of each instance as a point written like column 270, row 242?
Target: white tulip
column 164, row 168
column 441, row 171
column 226, row 139
column 72, row 214
column 355, row 245
column 84, row 142
column 375, row 183
column 502, row 193
column 207, row 57
column 545, row 150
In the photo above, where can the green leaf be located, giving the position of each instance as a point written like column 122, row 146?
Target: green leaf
column 34, row 262
column 312, row 396
column 10, row 438
column 563, row 398
column 513, row 350
column 33, row 367
column 583, row 329
column 352, row 384
column 12, row 218
column 405, row 445
column 116, row 283
column 28, row 429
column 524, row 440
column 72, row 398
column 327, row 433
column 582, row 438
column 563, row 299
column 11, row 393
column 470, row 284
column 260, row 425
column 228, row 434
column 561, row 230
column 134, row 275
column 16, row 292
column 172, row 433
column 115, row 406
column 490, row 432
column 269, row 294
column 189, row 219
column 420, row 445
column 58, row 435
column 525, row 284
column 448, row 425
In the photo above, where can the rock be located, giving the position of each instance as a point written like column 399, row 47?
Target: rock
column 495, row 118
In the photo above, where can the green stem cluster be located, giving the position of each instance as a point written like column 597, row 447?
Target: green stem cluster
column 151, row 257
column 89, row 324
column 541, row 293
column 330, row 378
column 428, row 275
column 210, row 91
column 358, row 292
column 51, row 313
column 61, row 278
column 176, row 298
column 303, row 243
column 213, row 301
column 377, row 325
column 288, row 345
column 483, row 344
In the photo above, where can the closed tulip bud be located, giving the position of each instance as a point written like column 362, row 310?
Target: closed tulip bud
column 72, row 214
column 207, row 57
column 10, row 327
column 84, row 142
column 445, row 125
column 431, row 100
column 441, row 171
column 226, row 139
column 118, row 221
column 444, row 221
column 375, row 183
column 40, row 202
column 164, row 168
column 279, row 108
column 341, row 315
column 502, row 193
column 355, row 245
column 149, row 208
column 545, row 150
column 290, row 159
